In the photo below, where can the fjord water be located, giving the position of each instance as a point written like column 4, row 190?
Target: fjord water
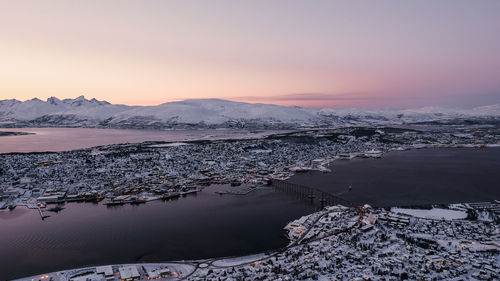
column 192, row 227
column 61, row 139
column 414, row 177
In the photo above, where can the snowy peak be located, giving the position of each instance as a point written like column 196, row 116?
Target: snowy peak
column 81, row 100
column 217, row 113
column 14, row 110
column 53, row 100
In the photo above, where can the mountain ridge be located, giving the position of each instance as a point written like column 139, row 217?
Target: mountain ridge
column 82, row 112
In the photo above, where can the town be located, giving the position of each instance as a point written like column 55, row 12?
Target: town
column 137, row 173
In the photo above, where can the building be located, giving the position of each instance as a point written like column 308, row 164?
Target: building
column 129, row 273
column 107, row 271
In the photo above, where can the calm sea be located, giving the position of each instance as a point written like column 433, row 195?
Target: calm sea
column 192, row 227
column 61, row 139
column 414, row 177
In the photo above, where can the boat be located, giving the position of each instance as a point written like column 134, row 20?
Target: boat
column 89, row 197
column 345, row 156
column 114, row 203
column 235, row 183
column 111, row 202
column 190, row 192
column 73, row 198
column 300, row 169
column 373, row 154
column 138, row 200
column 170, row 195
column 56, row 209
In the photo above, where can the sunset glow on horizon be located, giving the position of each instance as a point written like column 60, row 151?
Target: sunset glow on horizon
column 312, row 54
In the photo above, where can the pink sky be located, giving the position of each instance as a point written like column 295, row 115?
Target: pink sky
column 315, row 54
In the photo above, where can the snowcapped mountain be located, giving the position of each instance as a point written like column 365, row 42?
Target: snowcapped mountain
column 203, row 113
column 213, row 112
column 415, row 115
column 14, row 110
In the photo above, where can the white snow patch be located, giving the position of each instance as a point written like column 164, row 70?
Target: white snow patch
column 434, row 213
column 239, row 260
column 172, row 144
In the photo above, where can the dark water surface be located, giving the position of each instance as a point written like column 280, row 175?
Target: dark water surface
column 415, row 177
column 196, row 226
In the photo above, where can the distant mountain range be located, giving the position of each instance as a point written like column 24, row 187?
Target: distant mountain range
column 217, row 113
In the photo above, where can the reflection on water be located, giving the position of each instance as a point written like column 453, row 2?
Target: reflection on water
column 60, row 139
column 193, row 227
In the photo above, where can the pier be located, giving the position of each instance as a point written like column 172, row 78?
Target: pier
column 41, row 213
column 314, row 195
column 193, row 191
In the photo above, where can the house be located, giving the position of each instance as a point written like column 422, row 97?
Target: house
column 107, row 271
column 129, row 273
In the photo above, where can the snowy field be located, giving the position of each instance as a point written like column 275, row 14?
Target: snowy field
column 434, row 213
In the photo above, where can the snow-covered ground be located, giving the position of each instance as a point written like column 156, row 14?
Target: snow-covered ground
column 434, row 213
column 169, row 144
column 239, row 260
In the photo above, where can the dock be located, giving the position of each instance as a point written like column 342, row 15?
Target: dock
column 41, row 213
column 194, row 191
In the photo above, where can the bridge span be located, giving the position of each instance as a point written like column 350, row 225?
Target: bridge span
column 315, row 196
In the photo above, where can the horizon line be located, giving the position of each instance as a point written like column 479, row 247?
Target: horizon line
column 261, row 100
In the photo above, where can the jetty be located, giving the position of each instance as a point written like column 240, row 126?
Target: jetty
column 42, row 215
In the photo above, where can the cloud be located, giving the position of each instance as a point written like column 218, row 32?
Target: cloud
column 307, row 97
column 317, row 100
column 376, row 100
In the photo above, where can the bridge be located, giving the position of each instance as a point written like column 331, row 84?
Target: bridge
column 314, row 195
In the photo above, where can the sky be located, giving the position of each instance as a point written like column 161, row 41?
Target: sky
column 306, row 53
